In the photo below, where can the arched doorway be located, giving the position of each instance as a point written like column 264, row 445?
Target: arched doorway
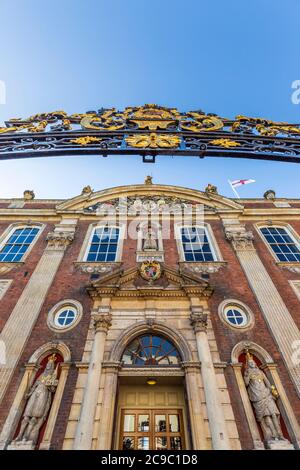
column 151, row 409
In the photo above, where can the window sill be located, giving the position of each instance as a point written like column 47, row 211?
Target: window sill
column 5, row 266
column 292, row 266
column 96, row 267
column 202, row 267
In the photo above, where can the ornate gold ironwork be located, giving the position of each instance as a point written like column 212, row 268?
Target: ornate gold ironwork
column 154, row 127
column 110, row 120
column 227, row 143
column 153, row 140
column 198, row 122
column 85, row 140
column 265, row 127
column 152, row 117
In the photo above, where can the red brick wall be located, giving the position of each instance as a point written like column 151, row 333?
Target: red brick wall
column 70, row 282
column 231, row 282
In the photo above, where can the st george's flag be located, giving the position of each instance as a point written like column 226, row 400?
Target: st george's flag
column 237, row 183
column 234, row 184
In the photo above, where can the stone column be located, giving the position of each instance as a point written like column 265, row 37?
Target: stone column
column 217, row 424
column 195, row 409
column 19, row 325
column 84, row 430
column 279, row 320
column 108, row 406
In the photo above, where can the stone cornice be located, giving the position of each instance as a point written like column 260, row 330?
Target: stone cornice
column 213, row 200
column 121, row 283
column 292, row 267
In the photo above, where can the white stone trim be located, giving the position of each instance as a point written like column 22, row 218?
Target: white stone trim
column 66, row 303
column 4, row 285
column 12, row 227
column 87, row 240
column 296, row 287
column 48, row 348
column 211, row 239
column 258, row 351
column 280, row 224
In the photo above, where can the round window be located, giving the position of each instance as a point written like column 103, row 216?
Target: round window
column 236, row 316
column 65, row 317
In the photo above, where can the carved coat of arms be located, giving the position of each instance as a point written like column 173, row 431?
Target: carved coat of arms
column 150, row 270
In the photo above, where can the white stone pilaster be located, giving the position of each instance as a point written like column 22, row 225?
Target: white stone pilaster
column 279, row 320
column 20, row 323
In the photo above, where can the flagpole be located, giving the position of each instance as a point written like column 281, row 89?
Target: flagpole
column 234, row 190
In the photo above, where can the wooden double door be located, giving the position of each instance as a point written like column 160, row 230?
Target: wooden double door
column 151, row 429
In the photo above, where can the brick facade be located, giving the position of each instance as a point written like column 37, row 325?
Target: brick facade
column 229, row 282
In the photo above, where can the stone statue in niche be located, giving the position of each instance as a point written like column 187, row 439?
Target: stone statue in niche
column 150, row 241
column 38, row 405
column 263, row 396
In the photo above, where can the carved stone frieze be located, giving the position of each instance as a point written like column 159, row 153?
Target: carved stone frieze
column 97, row 268
column 59, row 240
column 240, row 238
column 202, row 267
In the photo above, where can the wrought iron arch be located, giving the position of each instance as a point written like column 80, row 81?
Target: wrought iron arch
column 149, row 130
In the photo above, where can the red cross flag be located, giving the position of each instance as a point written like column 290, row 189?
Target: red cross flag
column 234, row 184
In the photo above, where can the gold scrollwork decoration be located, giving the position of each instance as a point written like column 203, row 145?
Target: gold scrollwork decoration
column 152, row 117
column 86, row 140
column 108, row 121
column 197, row 122
column 153, row 140
column 226, row 143
column 265, row 127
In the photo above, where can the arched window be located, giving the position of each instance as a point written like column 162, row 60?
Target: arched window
column 282, row 243
column 196, row 245
column 104, row 244
column 17, row 244
column 150, row 350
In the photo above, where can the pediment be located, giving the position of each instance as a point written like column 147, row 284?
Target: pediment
column 147, row 194
column 130, row 282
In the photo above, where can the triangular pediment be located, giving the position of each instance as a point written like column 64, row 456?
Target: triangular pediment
column 120, row 282
column 89, row 202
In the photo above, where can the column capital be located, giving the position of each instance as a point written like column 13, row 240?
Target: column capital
column 198, row 320
column 101, row 321
column 240, row 238
column 59, row 240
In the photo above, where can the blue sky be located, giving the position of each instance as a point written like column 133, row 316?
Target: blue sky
column 226, row 57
